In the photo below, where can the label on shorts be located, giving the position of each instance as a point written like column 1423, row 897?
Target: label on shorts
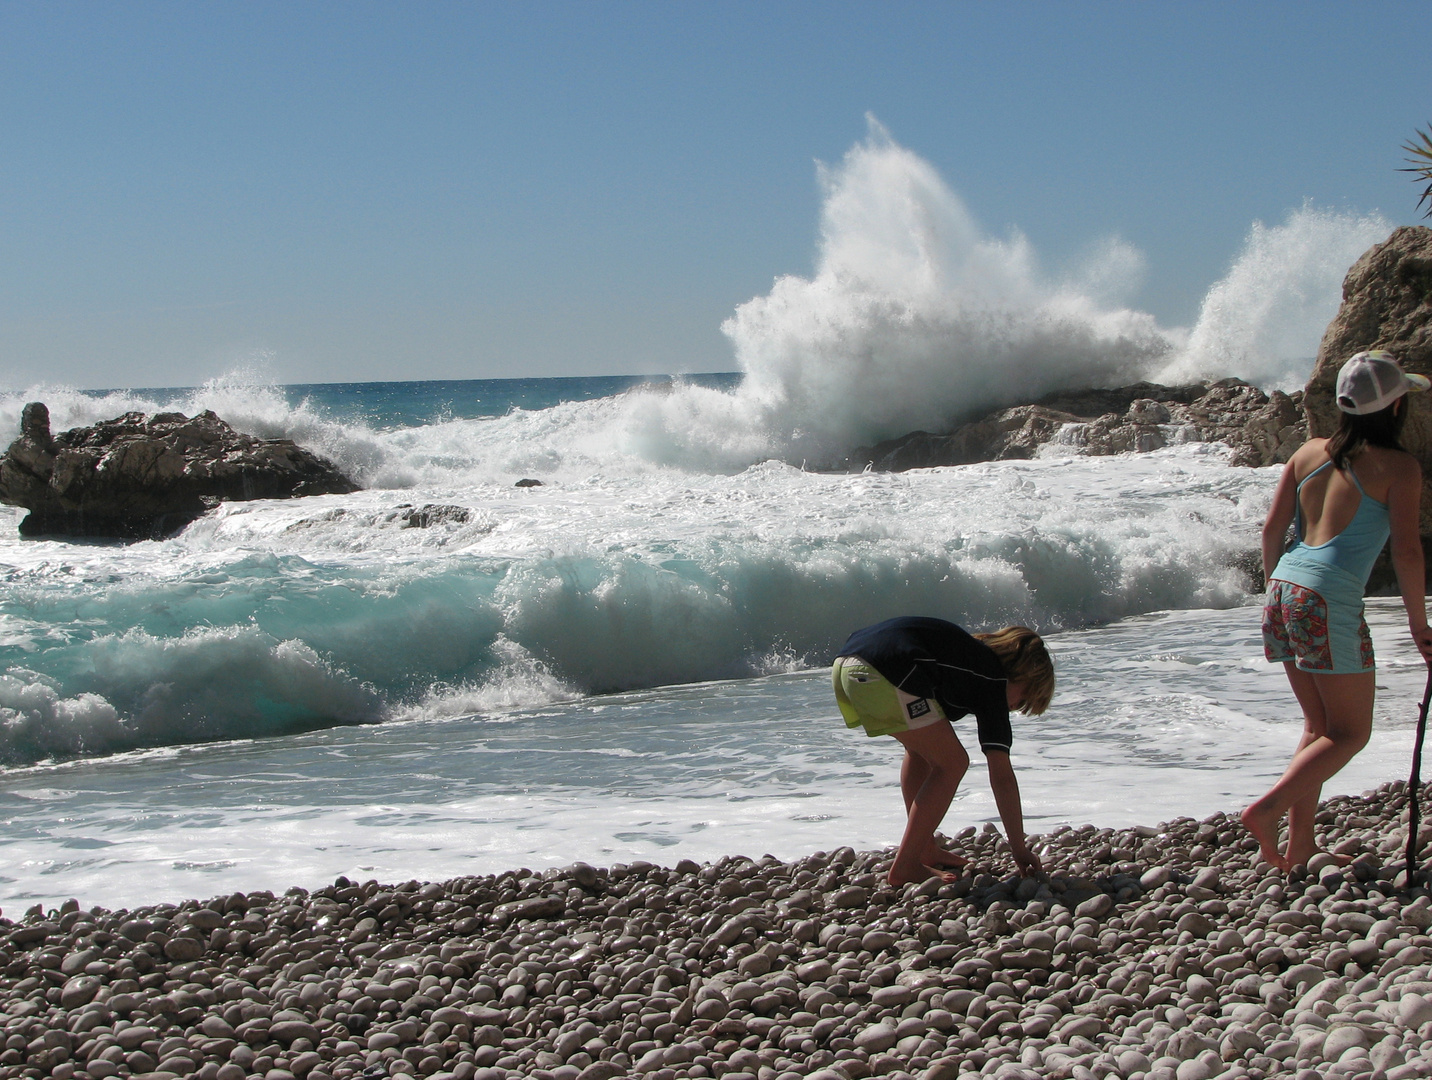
column 918, row 708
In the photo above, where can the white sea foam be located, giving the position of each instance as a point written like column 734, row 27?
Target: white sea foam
column 144, row 691
column 1154, row 718
column 675, row 538
column 273, row 616
column 519, row 681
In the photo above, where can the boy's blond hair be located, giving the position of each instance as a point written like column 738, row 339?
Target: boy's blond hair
column 1025, row 659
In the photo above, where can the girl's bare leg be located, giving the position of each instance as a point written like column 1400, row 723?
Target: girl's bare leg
column 935, row 762
column 1337, row 716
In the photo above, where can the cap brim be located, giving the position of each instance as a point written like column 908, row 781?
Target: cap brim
column 1417, row 382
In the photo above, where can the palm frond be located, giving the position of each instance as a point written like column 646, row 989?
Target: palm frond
column 1420, row 165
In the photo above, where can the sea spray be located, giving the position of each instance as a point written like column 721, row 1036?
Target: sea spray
column 913, row 318
column 1262, row 322
column 676, row 536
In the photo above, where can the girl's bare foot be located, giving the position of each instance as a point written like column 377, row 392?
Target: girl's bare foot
column 1303, row 858
column 1265, row 831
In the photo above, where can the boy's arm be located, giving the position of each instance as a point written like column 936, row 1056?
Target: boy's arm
column 1011, row 811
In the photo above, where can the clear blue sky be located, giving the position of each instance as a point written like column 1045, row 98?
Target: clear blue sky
column 358, row 191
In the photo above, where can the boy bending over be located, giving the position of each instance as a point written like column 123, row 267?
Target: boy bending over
column 909, row 677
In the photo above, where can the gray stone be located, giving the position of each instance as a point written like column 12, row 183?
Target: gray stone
column 183, row 950
column 1194, row 1069
column 1154, row 877
column 876, row 1038
column 286, row 1031
column 1413, row 1011
column 893, row 996
column 79, row 991
column 1096, row 907
column 600, row 1070
column 1207, row 878
column 1340, row 1039
column 1085, row 1027
column 850, row 896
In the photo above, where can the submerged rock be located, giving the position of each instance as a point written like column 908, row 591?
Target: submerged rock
column 139, row 477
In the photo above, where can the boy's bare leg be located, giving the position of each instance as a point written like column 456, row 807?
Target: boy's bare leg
column 914, row 771
column 939, row 763
column 1329, row 742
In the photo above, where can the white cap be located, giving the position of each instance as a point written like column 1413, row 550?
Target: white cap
column 1373, row 380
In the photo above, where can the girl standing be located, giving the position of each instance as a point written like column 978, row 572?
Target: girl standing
column 1345, row 495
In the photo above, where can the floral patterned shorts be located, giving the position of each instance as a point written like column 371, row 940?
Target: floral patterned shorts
column 1298, row 626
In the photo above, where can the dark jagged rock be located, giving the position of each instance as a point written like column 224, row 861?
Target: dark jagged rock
column 139, row 477
column 1387, row 304
column 1263, row 429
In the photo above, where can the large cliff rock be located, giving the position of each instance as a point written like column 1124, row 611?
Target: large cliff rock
column 1262, row 429
column 1387, row 304
column 137, row 477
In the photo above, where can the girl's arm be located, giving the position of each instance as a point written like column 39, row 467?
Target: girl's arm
column 1404, row 498
column 1280, row 516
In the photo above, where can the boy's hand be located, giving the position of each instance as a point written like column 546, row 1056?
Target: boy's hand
column 1026, row 860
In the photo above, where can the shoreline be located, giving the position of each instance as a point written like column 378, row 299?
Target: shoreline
column 1165, row 953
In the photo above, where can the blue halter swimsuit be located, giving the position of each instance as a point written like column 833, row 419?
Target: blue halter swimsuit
column 1314, row 611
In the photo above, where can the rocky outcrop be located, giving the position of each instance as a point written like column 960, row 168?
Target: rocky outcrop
column 1387, row 304
column 1262, row 429
column 139, row 477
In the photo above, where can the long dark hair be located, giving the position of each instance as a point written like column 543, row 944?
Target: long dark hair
column 1356, row 432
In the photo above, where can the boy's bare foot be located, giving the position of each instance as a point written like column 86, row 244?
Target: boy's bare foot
column 943, row 857
column 1265, row 830
column 913, row 879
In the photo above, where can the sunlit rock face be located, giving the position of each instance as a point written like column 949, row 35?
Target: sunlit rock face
column 1387, row 304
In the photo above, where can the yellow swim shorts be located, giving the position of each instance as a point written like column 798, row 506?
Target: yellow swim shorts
column 869, row 700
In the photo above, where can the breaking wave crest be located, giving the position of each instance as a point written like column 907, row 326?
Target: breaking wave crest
column 270, row 618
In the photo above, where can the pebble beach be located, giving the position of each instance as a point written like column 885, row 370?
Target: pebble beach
column 1161, row 953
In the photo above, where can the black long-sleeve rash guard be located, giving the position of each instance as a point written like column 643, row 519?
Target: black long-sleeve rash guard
column 933, row 658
